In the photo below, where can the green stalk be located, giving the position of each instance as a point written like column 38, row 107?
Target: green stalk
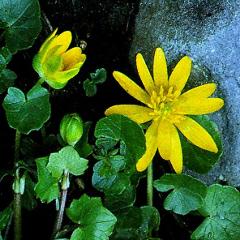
column 150, row 185
column 17, row 196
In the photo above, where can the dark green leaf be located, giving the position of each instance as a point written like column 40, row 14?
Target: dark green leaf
column 20, row 19
column 67, row 159
column 222, row 212
column 30, row 113
column 99, row 76
column 120, row 128
column 5, row 216
column 5, row 57
column 47, row 187
column 7, row 79
column 197, row 159
column 82, row 146
column 187, row 195
column 95, row 221
column 90, row 88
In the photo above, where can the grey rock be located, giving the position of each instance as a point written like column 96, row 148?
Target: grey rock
column 209, row 32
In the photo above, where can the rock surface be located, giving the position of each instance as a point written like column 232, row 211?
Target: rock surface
column 209, row 32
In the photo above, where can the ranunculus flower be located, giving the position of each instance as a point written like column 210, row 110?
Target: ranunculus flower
column 167, row 109
column 54, row 63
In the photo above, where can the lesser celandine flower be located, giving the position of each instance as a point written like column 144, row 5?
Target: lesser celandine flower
column 167, row 109
column 54, row 63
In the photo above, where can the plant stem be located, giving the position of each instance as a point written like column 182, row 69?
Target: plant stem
column 150, row 185
column 59, row 219
column 17, row 217
column 17, row 196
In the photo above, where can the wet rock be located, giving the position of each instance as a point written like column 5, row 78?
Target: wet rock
column 209, row 32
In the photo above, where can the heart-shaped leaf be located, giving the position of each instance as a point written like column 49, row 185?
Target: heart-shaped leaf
column 21, row 19
column 187, row 195
column 222, row 212
column 27, row 113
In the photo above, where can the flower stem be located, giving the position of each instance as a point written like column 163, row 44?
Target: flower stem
column 17, row 196
column 59, row 218
column 150, row 185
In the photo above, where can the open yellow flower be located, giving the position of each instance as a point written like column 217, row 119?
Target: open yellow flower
column 54, row 63
column 167, row 109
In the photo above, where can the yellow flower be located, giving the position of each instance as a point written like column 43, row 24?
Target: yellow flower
column 54, row 63
column 167, row 109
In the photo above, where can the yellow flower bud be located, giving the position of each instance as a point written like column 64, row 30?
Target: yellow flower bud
column 54, row 63
column 71, row 128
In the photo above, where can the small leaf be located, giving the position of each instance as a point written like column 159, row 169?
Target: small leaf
column 20, row 18
column 90, row 88
column 67, row 159
column 5, row 216
column 187, row 195
column 95, row 221
column 47, row 187
column 27, row 114
column 197, row 159
column 5, row 57
column 120, row 128
column 222, row 212
column 99, row 76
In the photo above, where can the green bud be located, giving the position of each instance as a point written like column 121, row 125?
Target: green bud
column 71, row 128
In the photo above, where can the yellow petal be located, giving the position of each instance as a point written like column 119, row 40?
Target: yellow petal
column 176, row 158
column 48, row 39
column 164, row 139
column 72, row 57
column 203, row 91
column 196, row 134
column 160, row 73
column 151, row 147
column 198, row 106
column 180, row 74
column 131, row 87
column 144, row 73
column 63, row 40
column 137, row 113
column 169, row 145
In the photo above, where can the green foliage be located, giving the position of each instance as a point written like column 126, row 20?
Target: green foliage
column 90, row 86
column 222, row 211
column 67, row 159
column 112, row 129
column 47, row 186
column 7, row 76
column 187, row 195
column 27, row 113
column 197, row 159
column 95, row 221
column 20, row 18
column 136, row 223
column 5, row 216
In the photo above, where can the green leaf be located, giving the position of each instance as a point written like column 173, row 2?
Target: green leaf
column 5, row 216
column 117, row 128
column 222, row 212
column 136, row 223
column 187, row 195
column 197, row 159
column 20, row 19
column 47, row 187
column 27, row 113
column 99, row 76
column 90, row 88
column 5, row 57
column 7, row 79
column 67, row 159
column 83, row 148
column 95, row 221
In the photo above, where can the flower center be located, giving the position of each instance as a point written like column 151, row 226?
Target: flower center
column 162, row 101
